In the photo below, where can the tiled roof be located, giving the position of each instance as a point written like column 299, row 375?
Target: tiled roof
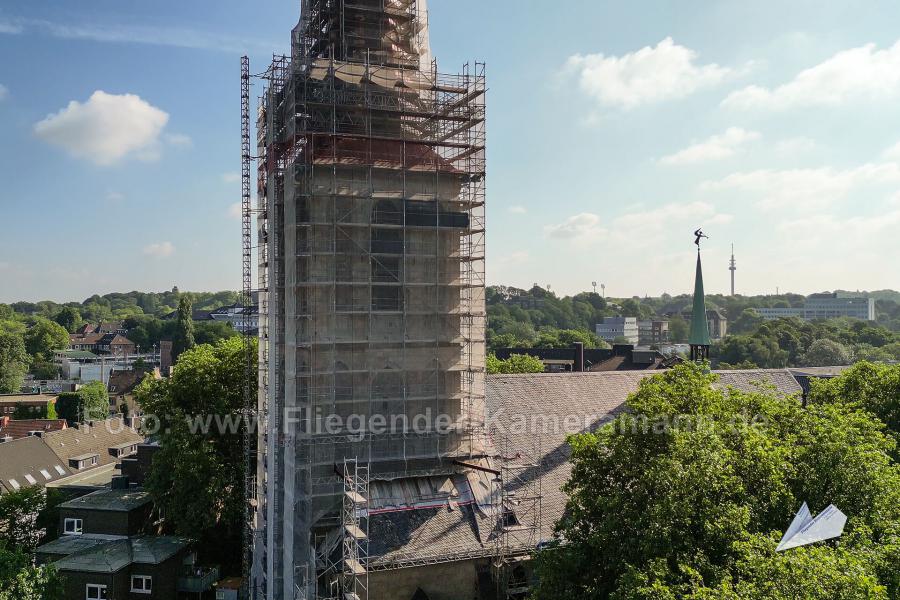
column 28, row 458
column 95, row 439
column 421, row 534
column 18, row 429
column 124, row 382
column 593, row 398
column 464, row 524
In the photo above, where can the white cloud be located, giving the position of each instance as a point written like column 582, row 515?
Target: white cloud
column 179, row 139
column 862, row 73
column 518, row 210
column 514, row 258
column 652, row 74
column 10, row 28
column 579, row 227
column 106, row 128
column 236, row 211
column 804, row 189
column 4, row 92
column 159, row 250
column 893, row 153
column 717, row 147
column 231, row 177
column 654, row 223
column 793, row 147
column 113, row 196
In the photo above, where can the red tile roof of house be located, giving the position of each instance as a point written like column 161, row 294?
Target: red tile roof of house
column 18, row 429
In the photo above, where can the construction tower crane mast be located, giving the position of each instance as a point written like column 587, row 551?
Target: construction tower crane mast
column 248, row 330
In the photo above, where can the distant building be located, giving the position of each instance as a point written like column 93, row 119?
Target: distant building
column 716, row 321
column 36, row 403
column 614, row 329
column 825, row 306
column 103, row 327
column 240, row 317
column 621, row 357
column 102, row 343
column 653, row 333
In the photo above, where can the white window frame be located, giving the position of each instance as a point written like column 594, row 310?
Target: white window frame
column 97, row 588
column 77, row 526
column 146, row 584
column 46, row 474
column 59, row 469
column 15, row 484
column 30, row 479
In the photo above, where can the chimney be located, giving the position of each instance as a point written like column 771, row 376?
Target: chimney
column 578, row 367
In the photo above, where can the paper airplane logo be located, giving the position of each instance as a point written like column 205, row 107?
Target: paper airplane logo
column 805, row 530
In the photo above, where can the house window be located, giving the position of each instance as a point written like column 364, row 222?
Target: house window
column 95, row 592
column 15, row 484
column 60, row 470
column 142, row 584
column 94, row 461
column 73, row 527
column 30, row 479
column 46, row 474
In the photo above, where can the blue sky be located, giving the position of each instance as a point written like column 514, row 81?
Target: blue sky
column 615, row 129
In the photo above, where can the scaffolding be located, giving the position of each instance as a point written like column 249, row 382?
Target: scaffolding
column 371, row 184
column 519, row 511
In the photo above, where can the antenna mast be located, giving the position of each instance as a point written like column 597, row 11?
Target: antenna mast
column 732, row 267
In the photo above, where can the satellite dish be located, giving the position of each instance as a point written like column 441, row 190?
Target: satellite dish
column 806, row 530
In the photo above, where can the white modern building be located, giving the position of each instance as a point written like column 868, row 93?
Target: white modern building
column 615, row 328
column 825, row 306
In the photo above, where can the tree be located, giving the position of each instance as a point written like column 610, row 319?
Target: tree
column 827, row 353
column 183, row 338
column 14, row 361
column 44, row 338
column 686, row 494
column 871, row 387
column 19, row 512
column 20, row 579
column 197, row 477
column 69, row 318
column 516, row 363
column 90, row 402
column 678, row 329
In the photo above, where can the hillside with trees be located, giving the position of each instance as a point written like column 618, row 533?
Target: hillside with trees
column 539, row 318
column 30, row 333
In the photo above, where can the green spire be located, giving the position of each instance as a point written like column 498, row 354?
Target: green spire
column 699, row 324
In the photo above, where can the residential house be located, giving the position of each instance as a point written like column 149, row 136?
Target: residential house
column 114, row 344
column 103, row 327
column 121, row 389
column 35, row 403
column 11, row 429
column 28, row 461
column 104, row 551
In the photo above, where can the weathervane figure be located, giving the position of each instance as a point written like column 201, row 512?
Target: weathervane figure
column 700, row 235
